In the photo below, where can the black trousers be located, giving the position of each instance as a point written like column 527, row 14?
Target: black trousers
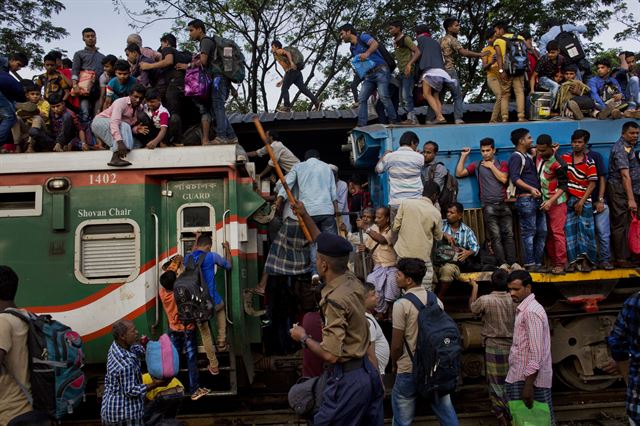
column 294, row 77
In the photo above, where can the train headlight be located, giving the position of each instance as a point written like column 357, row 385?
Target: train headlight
column 58, row 184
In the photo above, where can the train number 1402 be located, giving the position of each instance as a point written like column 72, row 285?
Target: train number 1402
column 103, row 179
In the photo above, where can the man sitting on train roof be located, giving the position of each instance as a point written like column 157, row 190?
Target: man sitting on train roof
column 465, row 244
column 116, row 125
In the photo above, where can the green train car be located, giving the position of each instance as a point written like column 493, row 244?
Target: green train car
column 88, row 240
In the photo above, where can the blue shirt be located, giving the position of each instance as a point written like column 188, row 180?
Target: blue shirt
column 316, row 186
column 624, row 342
column 596, row 86
column 602, row 172
column 362, row 45
column 209, row 270
column 464, row 236
column 527, row 173
column 124, row 391
column 116, row 90
column 4, row 63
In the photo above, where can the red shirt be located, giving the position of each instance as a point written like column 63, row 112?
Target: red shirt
column 312, row 365
column 580, row 174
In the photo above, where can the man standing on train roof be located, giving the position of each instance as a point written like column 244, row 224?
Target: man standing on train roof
column 354, row 393
column 623, row 190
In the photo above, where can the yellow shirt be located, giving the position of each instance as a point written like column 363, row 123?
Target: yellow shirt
column 418, row 223
column 493, row 69
column 502, row 43
column 13, row 340
column 384, row 254
column 153, row 393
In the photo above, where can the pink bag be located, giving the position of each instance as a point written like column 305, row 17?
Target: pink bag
column 634, row 235
column 162, row 358
column 197, row 83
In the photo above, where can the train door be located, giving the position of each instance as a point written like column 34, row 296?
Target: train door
column 191, row 207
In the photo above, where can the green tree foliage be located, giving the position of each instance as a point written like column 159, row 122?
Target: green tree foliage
column 26, row 24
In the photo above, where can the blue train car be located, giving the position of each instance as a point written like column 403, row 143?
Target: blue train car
column 369, row 143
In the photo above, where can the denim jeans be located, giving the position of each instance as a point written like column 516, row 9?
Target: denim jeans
column 551, row 86
column 325, row 223
column 533, row 229
column 406, row 87
column 633, row 92
column 456, row 94
column 379, row 81
column 186, row 341
column 294, row 78
column 403, row 403
column 88, row 109
column 603, row 233
column 219, row 95
column 7, row 118
column 499, row 225
column 101, row 129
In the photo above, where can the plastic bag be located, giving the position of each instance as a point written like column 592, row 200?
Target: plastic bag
column 162, row 358
column 362, row 67
column 634, row 235
column 538, row 415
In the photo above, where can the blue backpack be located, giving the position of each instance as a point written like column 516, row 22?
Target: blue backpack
column 516, row 60
column 55, row 363
column 436, row 362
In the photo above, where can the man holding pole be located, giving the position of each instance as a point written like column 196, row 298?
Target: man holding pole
column 314, row 181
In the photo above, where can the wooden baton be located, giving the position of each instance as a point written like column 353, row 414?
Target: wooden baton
column 276, row 166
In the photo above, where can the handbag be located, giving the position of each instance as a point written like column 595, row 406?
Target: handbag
column 538, row 415
column 362, row 67
column 305, row 396
column 634, row 235
column 197, row 83
column 86, row 80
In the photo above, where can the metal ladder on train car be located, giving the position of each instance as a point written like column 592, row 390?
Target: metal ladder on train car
column 225, row 383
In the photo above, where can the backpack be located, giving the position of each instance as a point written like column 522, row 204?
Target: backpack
column 449, row 193
column 182, row 57
column 516, row 60
column 511, row 188
column 192, row 294
column 388, row 57
column 228, row 59
column 436, row 361
column 296, row 56
column 570, row 46
column 56, row 359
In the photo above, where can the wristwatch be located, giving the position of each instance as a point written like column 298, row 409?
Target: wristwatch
column 601, row 199
column 303, row 341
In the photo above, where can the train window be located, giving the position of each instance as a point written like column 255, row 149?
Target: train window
column 23, row 200
column 107, row 251
column 192, row 218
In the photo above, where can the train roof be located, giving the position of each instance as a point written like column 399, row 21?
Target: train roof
column 160, row 158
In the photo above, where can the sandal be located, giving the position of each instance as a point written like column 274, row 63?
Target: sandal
column 259, row 292
column 222, row 346
column 213, row 370
column 199, row 393
column 558, row 270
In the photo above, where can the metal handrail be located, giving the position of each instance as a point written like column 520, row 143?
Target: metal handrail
column 157, row 269
column 226, row 285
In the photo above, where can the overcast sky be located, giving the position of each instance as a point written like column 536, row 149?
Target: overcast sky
column 112, row 30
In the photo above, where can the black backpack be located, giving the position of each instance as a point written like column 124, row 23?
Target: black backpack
column 192, row 294
column 449, row 193
column 182, row 57
column 570, row 46
column 388, row 57
column 516, row 60
column 436, row 362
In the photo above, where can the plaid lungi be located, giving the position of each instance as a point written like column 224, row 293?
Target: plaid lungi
column 289, row 254
column 514, row 392
column 580, row 232
column 384, row 279
column 496, row 361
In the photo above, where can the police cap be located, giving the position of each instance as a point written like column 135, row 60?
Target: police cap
column 332, row 245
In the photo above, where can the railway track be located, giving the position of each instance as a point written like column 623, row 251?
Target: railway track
column 571, row 408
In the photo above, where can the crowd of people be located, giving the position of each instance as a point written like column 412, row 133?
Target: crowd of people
column 98, row 101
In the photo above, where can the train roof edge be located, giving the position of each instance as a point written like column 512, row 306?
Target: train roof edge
column 170, row 157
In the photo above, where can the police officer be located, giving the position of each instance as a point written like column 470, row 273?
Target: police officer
column 354, row 393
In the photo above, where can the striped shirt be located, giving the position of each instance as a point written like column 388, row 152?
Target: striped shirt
column 531, row 348
column 624, row 342
column 580, row 174
column 464, row 236
column 552, row 173
column 404, row 167
column 124, row 392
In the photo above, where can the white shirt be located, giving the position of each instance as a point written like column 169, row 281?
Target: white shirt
column 286, row 159
column 376, row 336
